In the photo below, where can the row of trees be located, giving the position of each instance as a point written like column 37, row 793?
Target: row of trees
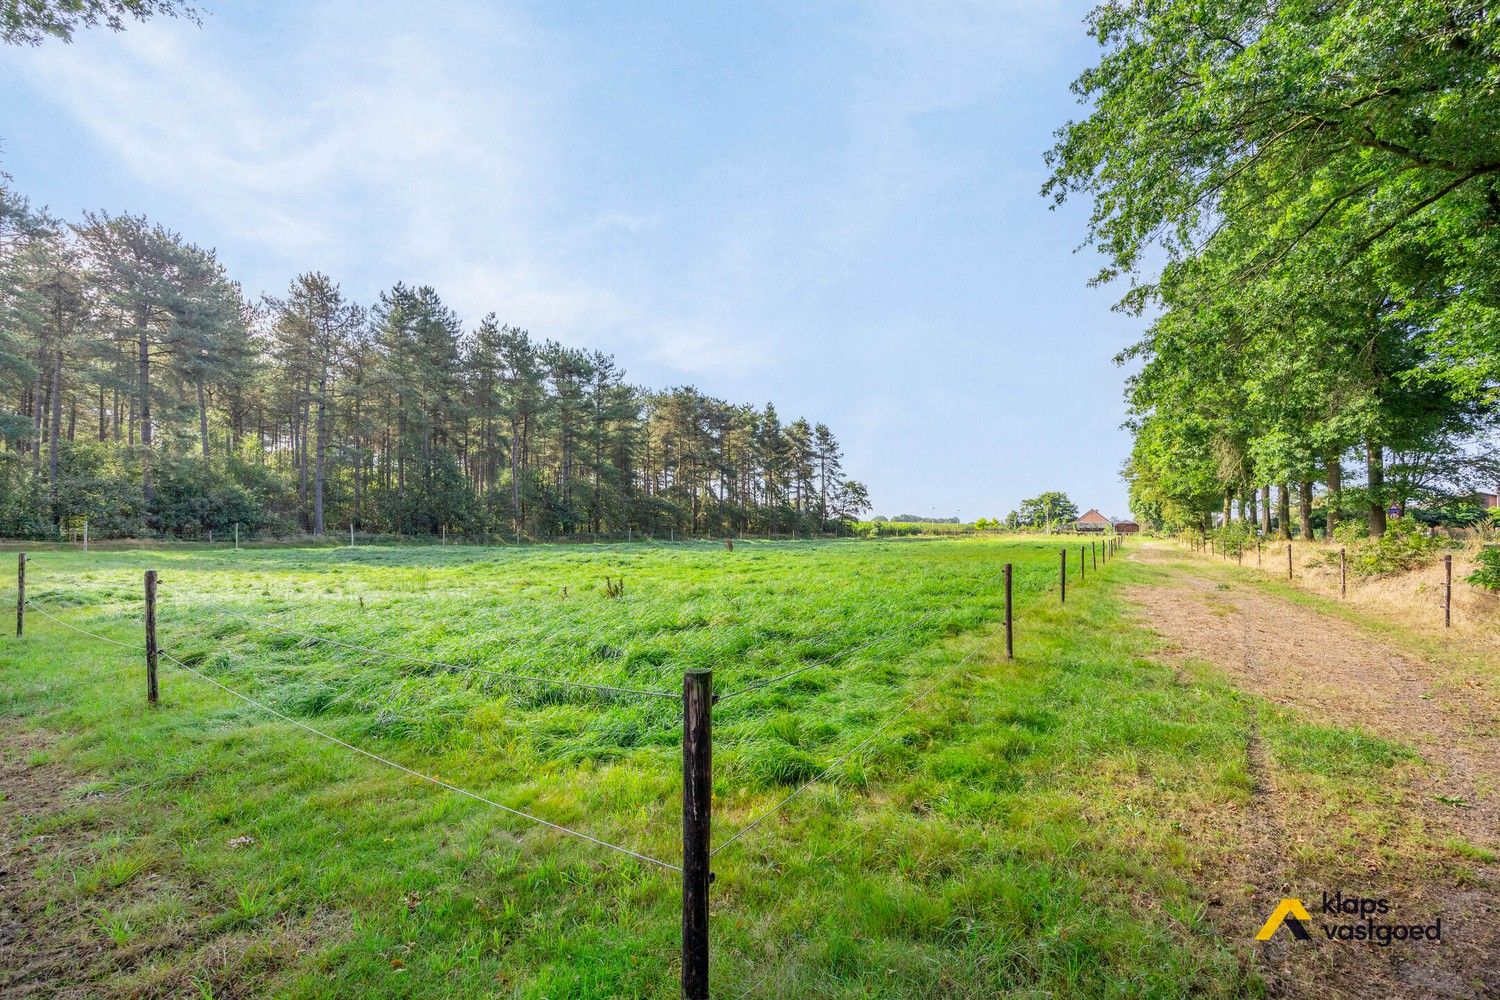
column 147, row 393
column 1321, row 186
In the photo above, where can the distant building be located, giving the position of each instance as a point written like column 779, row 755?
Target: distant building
column 1092, row 521
column 1126, row 527
column 1489, row 499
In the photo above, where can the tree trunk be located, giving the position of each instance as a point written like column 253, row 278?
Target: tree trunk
column 359, row 462
column 36, row 421
column 202, row 421
column 515, row 475
column 1284, row 512
column 52, row 433
column 318, row 460
column 143, row 388
column 1265, row 510
column 1304, row 498
column 1335, row 476
column 1228, row 504
column 1375, row 480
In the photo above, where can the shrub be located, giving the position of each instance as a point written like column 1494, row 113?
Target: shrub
column 1232, row 537
column 1488, row 573
column 1405, row 545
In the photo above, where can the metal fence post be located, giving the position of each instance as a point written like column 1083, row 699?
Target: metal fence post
column 1062, row 575
column 697, row 810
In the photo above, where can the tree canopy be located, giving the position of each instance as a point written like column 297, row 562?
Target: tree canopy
column 148, row 394
column 30, row 22
column 1305, row 200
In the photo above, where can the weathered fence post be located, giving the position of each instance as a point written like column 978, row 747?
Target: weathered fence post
column 1094, row 553
column 1288, row 560
column 1083, row 563
column 20, row 594
column 697, row 810
column 1010, row 643
column 1448, row 592
column 151, row 690
column 1343, row 574
column 1062, row 575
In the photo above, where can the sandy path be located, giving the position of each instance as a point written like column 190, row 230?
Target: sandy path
column 1332, row 673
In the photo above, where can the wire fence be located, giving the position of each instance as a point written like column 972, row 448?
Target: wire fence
column 691, row 862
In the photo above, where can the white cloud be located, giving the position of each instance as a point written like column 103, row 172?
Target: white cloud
column 378, row 143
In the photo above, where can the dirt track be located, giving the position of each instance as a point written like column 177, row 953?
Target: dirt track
column 1332, row 673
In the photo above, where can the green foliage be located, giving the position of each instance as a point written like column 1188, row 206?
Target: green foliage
column 1322, row 182
column 1405, row 545
column 316, row 413
column 29, row 22
column 1487, row 574
column 1047, row 510
column 1233, row 537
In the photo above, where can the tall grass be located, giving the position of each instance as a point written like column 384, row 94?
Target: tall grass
column 996, row 837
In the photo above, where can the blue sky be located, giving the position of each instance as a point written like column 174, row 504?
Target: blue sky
column 833, row 206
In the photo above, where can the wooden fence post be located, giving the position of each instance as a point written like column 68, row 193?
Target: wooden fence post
column 697, row 810
column 1010, row 643
column 1343, row 574
column 151, row 691
column 1288, row 560
column 85, row 534
column 1448, row 592
column 1062, row 575
column 1094, row 553
column 20, row 594
column 1083, row 563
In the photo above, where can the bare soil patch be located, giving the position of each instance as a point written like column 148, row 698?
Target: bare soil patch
column 1292, row 840
column 155, row 934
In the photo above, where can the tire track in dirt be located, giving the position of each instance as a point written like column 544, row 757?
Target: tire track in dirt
column 1331, row 673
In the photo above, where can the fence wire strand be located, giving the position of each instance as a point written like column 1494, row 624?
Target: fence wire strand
column 520, row 813
column 69, row 625
column 414, row 773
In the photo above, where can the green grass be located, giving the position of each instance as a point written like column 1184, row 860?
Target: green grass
column 1015, row 833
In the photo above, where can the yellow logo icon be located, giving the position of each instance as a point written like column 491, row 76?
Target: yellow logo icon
column 1290, row 912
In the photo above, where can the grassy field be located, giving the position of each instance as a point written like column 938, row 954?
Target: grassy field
column 1007, row 828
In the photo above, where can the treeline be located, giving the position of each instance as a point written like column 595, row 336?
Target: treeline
column 149, row 394
column 1321, row 184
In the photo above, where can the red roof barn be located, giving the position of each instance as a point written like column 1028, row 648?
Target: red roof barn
column 1092, row 521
